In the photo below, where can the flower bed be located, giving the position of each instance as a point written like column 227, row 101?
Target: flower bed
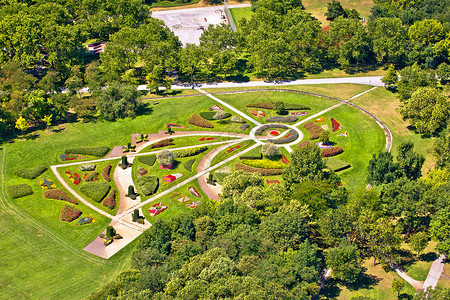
column 172, row 125
column 86, row 220
column 171, row 178
column 281, row 119
column 59, row 195
column 345, row 134
column 292, row 136
column 207, row 139
column 313, row 129
column 87, row 167
column 106, row 172
column 156, row 209
column 263, row 128
column 298, row 113
column 274, row 132
column 74, row 177
column 233, row 149
column 110, row 200
column 332, row 151
column 68, row 157
column 263, row 172
column 183, row 199
column 263, row 163
column 141, row 171
column 91, row 176
column 321, row 119
column 257, row 113
column 163, row 143
column 272, row 182
column 198, row 121
column 216, row 108
column 285, row 160
column 69, row 213
column 164, row 167
column 263, row 105
column 324, row 146
column 47, row 184
column 194, row 192
column 193, row 204
column 335, row 125
column 303, row 144
column 209, row 115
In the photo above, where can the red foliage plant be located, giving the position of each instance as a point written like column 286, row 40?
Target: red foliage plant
column 69, row 213
column 59, row 195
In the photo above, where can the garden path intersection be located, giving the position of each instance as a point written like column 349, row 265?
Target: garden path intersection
column 123, row 178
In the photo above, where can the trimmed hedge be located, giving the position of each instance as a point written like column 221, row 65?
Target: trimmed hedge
column 19, row 190
column 188, row 164
column 163, row 143
column 244, row 127
column 110, row 201
column 252, row 157
column 92, row 176
column 264, row 163
column 92, row 151
column 271, row 105
column 332, row 151
column 95, row 190
column 31, row 173
column 148, row 160
column 313, row 129
column 263, row 172
column 59, row 195
column 263, row 128
column 148, row 184
column 288, row 106
column 69, row 213
column 190, row 151
column 106, row 173
column 209, row 115
column 286, row 119
column 293, row 135
column 336, row 165
column 196, row 120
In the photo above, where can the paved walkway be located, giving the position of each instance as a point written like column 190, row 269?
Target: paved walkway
column 415, row 283
column 437, row 267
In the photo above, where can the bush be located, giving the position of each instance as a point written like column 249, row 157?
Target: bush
column 244, row 127
column 270, row 150
column 303, row 144
column 263, row 172
column 19, row 190
column 191, row 151
column 209, row 115
column 165, row 157
column 237, row 119
column 188, row 164
column 288, row 106
column 106, row 173
column 148, row 184
column 292, row 136
column 313, row 129
column 252, row 157
column 31, row 173
column 196, row 120
column 264, row 163
column 163, row 143
column 148, row 160
column 271, row 105
column 332, row 151
column 59, row 195
column 91, row 176
column 87, row 167
column 69, row 213
column 92, row 151
column 286, row 119
column 110, row 201
column 263, row 128
column 95, row 190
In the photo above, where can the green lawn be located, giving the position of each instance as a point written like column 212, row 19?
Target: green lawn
column 241, row 13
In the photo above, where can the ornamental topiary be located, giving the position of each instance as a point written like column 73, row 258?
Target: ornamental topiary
column 95, row 190
column 19, row 190
column 30, row 173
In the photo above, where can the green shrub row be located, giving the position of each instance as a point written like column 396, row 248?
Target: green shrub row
column 92, row 151
column 282, row 119
column 247, row 156
column 148, row 184
column 292, row 136
column 209, row 115
column 264, row 163
column 148, row 160
column 95, row 190
column 31, row 173
column 263, row 128
column 19, row 190
column 263, row 172
column 271, row 105
column 289, row 106
column 188, row 164
column 190, row 151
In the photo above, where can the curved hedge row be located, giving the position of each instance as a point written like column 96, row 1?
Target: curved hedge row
column 149, row 160
column 283, row 119
column 19, row 190
column 292, row 136
column 148, row 184
column 263, row 172
column 92, row 151
column 263, row 163
column 30, row 173
column 261, row 129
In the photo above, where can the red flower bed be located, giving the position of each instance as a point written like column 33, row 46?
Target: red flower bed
column 314, row 130
column 234, row 148
column 59, row 195
column 274, row 133
column 74, row 177
column 196, row 120
column 69, row 213
column 106, row 173
column 92, row 176
column 207, row 139
column 303, row 144
column 335, row 125
column 263, row 172
column 332, row 151
column 264, row 105
column 110, row 200
column 285, row 160
column 163, row 143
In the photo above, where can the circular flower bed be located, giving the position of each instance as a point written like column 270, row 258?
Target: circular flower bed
column 274, row 133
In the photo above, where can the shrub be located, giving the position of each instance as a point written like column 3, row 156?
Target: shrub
column 281, row 119
column 69, row 213
column 191, row 151
column 237, row 119
column 188, row 164
column 264, row 163
column 196, row 120
column 148, row 160
column 92, row 151
column 263, row 172
column 263, row 128
column 252, row 157
column 303, row 144
column 87, row 167
column 148, row 184
column 91, row 176
column 31, row 173
column 110, row 201
column 313, row 129
column 165, row 157
column 244, row 127
column 292, row 136
column 210, row 115
column 163, row 143
column 332, row 151
column 19, row 190
column 106, row 172
column 59, row 195
column 95, row 190
column 270, row 150
column 288, row 106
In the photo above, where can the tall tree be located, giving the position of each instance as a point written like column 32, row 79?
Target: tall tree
column 382, row 169
column 117, row 102
column 409, row 162
column 391, row 78
column 345, row 262
column 335, row 10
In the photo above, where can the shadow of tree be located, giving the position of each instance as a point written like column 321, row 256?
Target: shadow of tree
column 430, row 256
column 330, row 290
column 364, row 281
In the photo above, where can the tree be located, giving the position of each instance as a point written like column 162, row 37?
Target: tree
column 441, row 149
column 324, row 136
column 418, row 242
column 219, row 115
column 391, row 78
column 427, row 31
column 390, row 39
column 47, row 120
column 22, row 124
column 335, row 10
column 411, row 78
column 236, row 183
column 279, row 108
column 440, row 230
column 190, row 58
column 165, row 157
column 117, row 102
column 409, row 162
column 427, row 110
column 270, row 150
column 345, row 262
column 398, row 285
column 74, row 84
column 381, row 169
column 306, row 163
column 443, row 72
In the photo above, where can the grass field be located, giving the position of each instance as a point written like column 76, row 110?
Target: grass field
column 241, row 13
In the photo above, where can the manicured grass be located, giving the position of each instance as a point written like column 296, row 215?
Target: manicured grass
column 385, row 105
column 241, row 13
column 185, row 141
column 224, row 155
column 150, row 98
